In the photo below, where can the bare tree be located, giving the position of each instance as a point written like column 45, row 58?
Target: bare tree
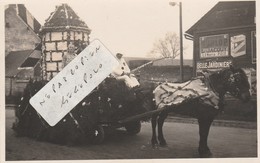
column 169, row 46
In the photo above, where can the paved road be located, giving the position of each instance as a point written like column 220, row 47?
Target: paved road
column 182, row 138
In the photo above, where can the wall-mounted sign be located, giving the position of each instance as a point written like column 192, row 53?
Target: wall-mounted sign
column 213, row 64
column 253, row 44
column 238, row 45
column 214, row 46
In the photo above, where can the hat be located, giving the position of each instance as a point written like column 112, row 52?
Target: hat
column 118, row 55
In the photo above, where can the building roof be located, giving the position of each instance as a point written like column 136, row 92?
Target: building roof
column 27, row 17
column 14, row 60
column 29, row 62
column 131, row 59
column 226, row 14
column 36, row 53
column 172, row 62
column 64, row 17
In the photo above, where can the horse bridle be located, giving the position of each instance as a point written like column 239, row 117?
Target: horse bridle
column 231, row 82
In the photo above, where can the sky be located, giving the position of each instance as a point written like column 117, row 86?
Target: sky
column 129, row 26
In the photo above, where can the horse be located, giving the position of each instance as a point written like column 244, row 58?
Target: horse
column 205, row 109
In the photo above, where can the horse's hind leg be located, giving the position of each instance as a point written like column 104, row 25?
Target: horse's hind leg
column 154, row 123
column 161, row 119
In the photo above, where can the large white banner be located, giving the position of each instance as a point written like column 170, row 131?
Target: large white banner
column 59, row 96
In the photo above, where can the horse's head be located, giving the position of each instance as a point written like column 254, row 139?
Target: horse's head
column 236, row 83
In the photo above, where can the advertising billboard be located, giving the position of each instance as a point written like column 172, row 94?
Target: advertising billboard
column 214, row 46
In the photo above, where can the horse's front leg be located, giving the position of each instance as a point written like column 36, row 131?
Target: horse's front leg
column 204, row 126
column 162, row 117
column 154, row 123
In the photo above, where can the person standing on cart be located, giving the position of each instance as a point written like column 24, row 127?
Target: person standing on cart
column 70, row 55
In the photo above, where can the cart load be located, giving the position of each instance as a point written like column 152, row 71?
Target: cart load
column 107, row 105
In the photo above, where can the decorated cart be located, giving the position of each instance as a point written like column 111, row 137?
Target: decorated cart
column 109, row 106
column 106, row 107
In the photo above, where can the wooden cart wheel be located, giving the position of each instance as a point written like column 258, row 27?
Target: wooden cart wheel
column 98, row 135
column 133, row 128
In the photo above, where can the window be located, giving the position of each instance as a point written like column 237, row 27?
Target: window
column 7, row 25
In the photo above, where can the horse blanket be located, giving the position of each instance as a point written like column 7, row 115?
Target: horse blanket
column 168, row 94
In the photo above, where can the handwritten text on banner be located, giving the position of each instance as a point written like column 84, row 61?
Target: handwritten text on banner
column 60, row 95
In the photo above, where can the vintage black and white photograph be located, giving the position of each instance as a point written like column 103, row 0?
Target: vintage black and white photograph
column 125, row 80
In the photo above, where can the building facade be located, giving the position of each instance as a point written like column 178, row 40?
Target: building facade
column 22, row 49
column 226, row 35
column 21, row 29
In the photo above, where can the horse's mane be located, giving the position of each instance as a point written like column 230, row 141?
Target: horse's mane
column 223, row 73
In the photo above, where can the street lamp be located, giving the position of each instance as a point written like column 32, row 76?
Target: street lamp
column 181, row 41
